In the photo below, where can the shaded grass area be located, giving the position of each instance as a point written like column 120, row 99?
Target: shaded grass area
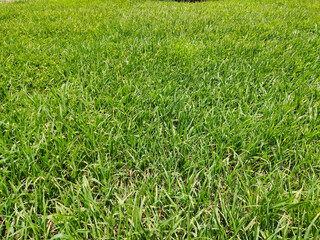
column 159, row 120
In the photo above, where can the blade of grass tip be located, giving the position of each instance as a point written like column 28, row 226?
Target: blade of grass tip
column 306, row 236
column 61, row 236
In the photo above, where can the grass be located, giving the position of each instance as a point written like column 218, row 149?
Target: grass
column 160, row 120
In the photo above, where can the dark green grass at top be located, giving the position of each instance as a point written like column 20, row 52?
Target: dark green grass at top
column 159, row 120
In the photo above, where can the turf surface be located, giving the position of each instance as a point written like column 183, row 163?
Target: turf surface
column 160, row 120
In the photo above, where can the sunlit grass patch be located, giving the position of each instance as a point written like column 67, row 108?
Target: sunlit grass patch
column 159, row 120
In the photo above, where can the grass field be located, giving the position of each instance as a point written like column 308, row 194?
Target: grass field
column 160, row 120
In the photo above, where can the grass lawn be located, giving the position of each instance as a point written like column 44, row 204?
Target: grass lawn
column 160, row 120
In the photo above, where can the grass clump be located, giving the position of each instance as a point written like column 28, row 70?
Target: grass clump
column 159, row 120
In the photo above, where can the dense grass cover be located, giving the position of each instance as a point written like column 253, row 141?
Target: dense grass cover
column 159, row 120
